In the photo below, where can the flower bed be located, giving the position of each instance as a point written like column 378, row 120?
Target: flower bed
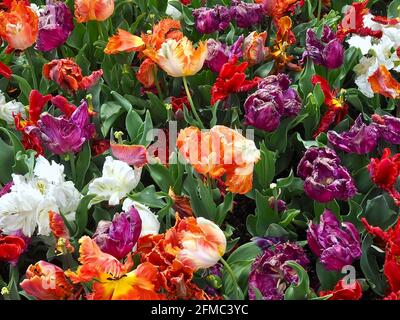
column 154, row 149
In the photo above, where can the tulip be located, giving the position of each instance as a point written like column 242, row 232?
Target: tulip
column 117, row 180
column 98, row 10
column 269, row 273
column 211, row 20
column 388, row 128
column 119, row 236
column 218, row 152
column 360, row 139
column 328, row 51
column 219, row 53
column 55, row 26
column 19, row 27
column 336, row 244
column 272, row 101
column 384, row 173
column 325, row 179
column 254, row 50
column 196, row 243
column 11, row 247
column 68, row 75
column 111, row 279
column 343, row 291
column 232, row 79
column 179, row 58
column 62, row 135
column 247, row 14
column 46, row 281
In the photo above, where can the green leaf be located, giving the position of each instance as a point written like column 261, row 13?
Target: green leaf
column 25, row 88
column 240, row 262
column 370, row 267
column 133, row 123
column 327, row 279
column 161, row 175
column 147, row 138
column 378, row 213
column 82, row 165
column 149, row 197
column 258, row 224
column 265, row 167
column 302, row 290
column 109, row 113
column 81, row 216
column 305, row 84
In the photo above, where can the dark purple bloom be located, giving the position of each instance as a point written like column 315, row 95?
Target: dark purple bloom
column 270, row 274
column 273, row 100
column 247, row 14
column 336, row 244
column 62, row 134
column 118, row 237
column 209, row 20
column 55, row 26
column 359, row 139
column 327, row 51
column 278, row 205
column 324, row 178
column 388, row 128
column 219, row 53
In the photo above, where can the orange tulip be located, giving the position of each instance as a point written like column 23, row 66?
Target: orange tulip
column 123, row 41
column 284, row 39
column 197, row 243
column 98, row 10
column 179, row 58
column 19, row 27
column 146, row 73
column 218, row 152
column 278, row 8
column 114, row 280
column 382, row 82
column 46, row 281
column 254, row 50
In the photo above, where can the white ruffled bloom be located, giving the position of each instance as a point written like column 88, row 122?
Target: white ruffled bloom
column 364, row 70
column 26, row 207
column 117, row 181
column 376, row 51
column 8, row 109
column 150, row 223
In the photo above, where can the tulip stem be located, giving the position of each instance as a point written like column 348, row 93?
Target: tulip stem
column 73, row 169
column 232, row 275
column 185, row 84
column 157, row 83
column 319, row 9
column 32, row 67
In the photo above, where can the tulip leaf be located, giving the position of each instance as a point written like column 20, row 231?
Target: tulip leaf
column 81, row 216
column 302, row 290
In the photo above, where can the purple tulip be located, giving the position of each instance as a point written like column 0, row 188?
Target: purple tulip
column 272, row 101
column 388, row 128
column 219, row 53
column 62, row 134
column 247, row 14
column 360, row 139
column 55, row 26
column 327, row 51
column 324, row 178
column 336, row 244
column 118, row 237
column 209, row 20
column 270, row 273
column 277, row 204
